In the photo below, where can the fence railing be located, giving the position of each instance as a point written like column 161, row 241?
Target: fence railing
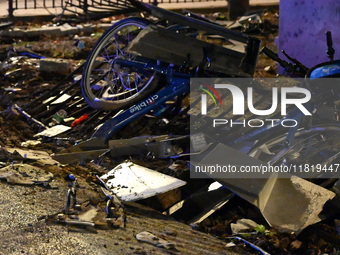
column 83, row 5
column 33, row 4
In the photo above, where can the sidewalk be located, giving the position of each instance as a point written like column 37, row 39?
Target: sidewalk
column 40, row 11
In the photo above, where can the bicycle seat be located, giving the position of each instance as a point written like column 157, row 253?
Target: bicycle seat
column 325, row 70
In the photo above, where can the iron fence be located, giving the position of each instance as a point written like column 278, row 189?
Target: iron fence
column 83, row 5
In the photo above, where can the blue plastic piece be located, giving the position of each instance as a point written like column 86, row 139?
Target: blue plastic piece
column 327, row 70
column 71, row 177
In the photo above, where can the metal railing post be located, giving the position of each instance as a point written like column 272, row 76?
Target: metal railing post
column 10, row 9
column 86, row 6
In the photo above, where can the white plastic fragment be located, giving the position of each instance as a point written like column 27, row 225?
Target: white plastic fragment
column 53, row 131
column 59, row 100
column 214, row 186
column 131, row 182
column 230, row 244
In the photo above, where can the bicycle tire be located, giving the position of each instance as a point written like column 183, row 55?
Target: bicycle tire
column 311, row 146
column 107, row 86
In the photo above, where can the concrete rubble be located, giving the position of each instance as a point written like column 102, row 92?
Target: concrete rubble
column 288, row 204
column 41, row 157
column 243, row 225
column 25, row 174
column 154, row 240
column 55, row 66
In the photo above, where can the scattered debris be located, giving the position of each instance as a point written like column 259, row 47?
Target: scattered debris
column 201, row 204
column 296, row 244
column 30, row 143
column 300, row 201
column 53, row 131
column 162, row 146
column 171, row 47
column 40, row 156
column 57, row 100
column 243, row 225
column 131, row 182
column 16, row 109
column 231, row 244
column 25, row 174
column 80, row 120
column 268, row 68
column 55, row 66
column 80, row 223
column 132, row 146
column 259, row 249
column 91, row 148
column 150, row 238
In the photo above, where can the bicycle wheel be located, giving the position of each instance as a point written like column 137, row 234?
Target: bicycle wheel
column 317, row 145
column 105, row 84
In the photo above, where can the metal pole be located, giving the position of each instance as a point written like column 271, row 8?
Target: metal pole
column 85, row 6
column 10, row 9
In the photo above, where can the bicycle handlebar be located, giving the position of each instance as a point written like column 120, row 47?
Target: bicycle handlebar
column 271, row 54
column 295, row 68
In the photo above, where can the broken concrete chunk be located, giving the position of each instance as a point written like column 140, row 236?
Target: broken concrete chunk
column 29, row 143
column 40, row 156
column 132, row 146
column 80, row 223
column 30, row 154
column 25, row 174
column 238, row 228
column 248, row 222
column 150, row 238
column 131, row 182
column 88, row 215
column 57, row 66
column 288, row 204
column 243, row 225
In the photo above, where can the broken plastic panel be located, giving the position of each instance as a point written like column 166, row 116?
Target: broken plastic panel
column 131, row 182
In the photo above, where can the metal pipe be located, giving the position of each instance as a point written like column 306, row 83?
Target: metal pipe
column 10, row 9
